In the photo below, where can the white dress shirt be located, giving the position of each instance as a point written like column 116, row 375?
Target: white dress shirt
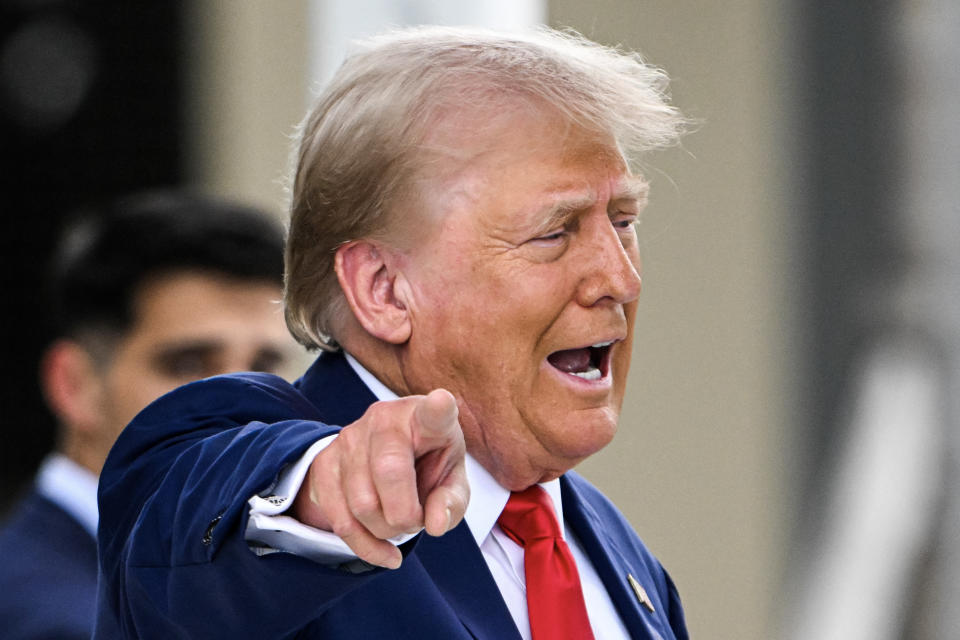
column 272, row 531
column 71, row 487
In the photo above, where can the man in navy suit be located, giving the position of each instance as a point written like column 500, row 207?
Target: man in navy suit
column 148, row 293
column 462, row 247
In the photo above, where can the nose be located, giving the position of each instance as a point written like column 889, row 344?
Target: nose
column 611, row 267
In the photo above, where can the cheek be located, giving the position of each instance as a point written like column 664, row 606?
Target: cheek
column 130, row 389
column 624, row 354
column 468, row 307
column 131, row 396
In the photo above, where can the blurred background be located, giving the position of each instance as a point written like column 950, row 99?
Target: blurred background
column 788, row 446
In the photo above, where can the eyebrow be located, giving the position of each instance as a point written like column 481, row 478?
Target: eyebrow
column 167, row 354
column 188, row 346
column 558, row 212
column 632, row 188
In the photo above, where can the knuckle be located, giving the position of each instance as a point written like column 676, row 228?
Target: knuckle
column 392, row 466
column 386, row 414
column 381, row 411
column 404, row 519
column 365, row 504
column 375, row 410
column 347, row 440
column 348, row 528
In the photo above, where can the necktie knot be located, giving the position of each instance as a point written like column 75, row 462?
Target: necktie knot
column 529, row 516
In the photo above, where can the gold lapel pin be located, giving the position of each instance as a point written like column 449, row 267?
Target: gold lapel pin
column 641, row 593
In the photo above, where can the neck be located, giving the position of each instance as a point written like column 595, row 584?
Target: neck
column 86, row 454
column 380, row 359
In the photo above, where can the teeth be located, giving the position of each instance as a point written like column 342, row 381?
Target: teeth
column 601, row 344
column 590, row 374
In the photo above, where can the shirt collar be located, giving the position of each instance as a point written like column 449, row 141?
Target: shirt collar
column 378, row 388
column 71, row 487
column 487, row 497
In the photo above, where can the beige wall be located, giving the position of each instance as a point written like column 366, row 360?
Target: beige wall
column 247, row 66
column 698, row 464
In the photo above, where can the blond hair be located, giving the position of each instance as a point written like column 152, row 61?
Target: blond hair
column 359, row 145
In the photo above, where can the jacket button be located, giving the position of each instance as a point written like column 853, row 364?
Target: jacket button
column 208, row 535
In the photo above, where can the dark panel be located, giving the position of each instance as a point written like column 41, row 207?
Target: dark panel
column 89, row 108
column 852, row 251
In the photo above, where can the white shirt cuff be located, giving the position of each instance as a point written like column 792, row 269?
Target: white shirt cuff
column 269, row 531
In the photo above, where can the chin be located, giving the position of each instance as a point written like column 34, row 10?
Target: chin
column 582, row 439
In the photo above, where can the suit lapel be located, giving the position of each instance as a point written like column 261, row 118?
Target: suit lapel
column 457, row 567
column 611, row 564
column 335, row 390
column 453, row 561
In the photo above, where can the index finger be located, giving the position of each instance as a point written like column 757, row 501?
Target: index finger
column 435, row 417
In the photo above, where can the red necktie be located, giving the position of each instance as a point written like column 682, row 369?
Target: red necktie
column 554, row 598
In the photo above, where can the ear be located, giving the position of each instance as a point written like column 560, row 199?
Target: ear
column 370, row 283
column 72, row 385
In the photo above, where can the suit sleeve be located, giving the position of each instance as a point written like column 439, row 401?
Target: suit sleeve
column 173, row 501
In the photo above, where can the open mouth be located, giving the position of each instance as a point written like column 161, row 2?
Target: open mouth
column 589, row 363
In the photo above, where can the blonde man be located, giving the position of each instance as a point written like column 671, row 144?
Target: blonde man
column 462, row 248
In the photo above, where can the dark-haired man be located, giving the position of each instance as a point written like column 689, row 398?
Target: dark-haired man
column 147, row 294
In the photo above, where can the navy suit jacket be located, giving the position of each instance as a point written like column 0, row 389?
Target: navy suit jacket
column 173, row 510
column 48, row 573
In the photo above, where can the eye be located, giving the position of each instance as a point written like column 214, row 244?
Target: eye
column 184, row 366
column 625, row 222
column 268, row 362
column 185, row 362
column 556, row 235
column 551, row 239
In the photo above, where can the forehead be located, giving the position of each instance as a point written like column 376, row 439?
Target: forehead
column 532, row 165
column 197, row 302
column 519, row 159
column 535, row 140
column 458, row 135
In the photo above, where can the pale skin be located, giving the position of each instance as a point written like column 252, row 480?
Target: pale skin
column 186, row 325
column 505, row 317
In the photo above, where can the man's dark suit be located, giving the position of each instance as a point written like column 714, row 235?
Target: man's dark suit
column 48, row 573
column 173, row 504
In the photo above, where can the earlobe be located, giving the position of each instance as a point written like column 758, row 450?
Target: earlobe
column 369, row 279
column 71, row 385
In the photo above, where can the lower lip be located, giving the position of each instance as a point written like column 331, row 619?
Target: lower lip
column 603, row 383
